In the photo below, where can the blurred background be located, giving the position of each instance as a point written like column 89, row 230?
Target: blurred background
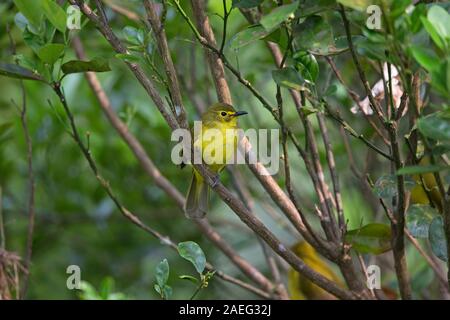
column 77, row 223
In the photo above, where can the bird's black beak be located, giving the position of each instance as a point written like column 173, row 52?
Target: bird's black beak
column 239, row 113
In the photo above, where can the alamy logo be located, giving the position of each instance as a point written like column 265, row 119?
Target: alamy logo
column 373, row 22
column 230, row 146
column 373, row 277
column 73, row 17
column 74, row 280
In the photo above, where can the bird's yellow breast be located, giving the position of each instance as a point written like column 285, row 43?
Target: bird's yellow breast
column 218, row 144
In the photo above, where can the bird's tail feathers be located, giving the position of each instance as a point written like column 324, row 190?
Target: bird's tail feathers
column 196, row 205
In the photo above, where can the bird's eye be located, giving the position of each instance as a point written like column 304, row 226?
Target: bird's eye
column 223, row 113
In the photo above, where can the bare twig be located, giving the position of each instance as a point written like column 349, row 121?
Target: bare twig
column 398, row 227
column 122, row 10
column 164, row 52
column 333, row 172
column 373, row 104
column 226, row 14
column 353, row 133
column 355, row 98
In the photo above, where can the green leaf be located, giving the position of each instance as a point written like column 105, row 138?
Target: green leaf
column 15, row 71
column 435, row 126
column 95, row 65
column 360, row 5
column 315, row 35
column 289, row 78
column 440, row 78
column 88, row 292
column 192, row 252
column 386, row 186
column 421, row 169
column 55, row 14
column 31, row 10
column 398, row 8
column 189, row 278
column 441, row 149
column 279, row 15
column 420, row 10
column 106, row 287
column 307, row 64
column 433, row 32
column 157, row 289
column 20, row 21
column 247, row 36
column 372, row 238
column 129, row 57
column 440, row 20
column 425, row 57
column 117, row 296
column 310, row 7
column 51, row 52
column 418, row 219
column 436, row 235
column 133, row 35
column 26, row 62
column 370, row 49
column 307, row 110
column 35, row 42
column 162, row 273
column 246, row 4
column 167, row 291
column 5, row 131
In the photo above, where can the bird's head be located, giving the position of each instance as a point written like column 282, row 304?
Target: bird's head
column 222, row 113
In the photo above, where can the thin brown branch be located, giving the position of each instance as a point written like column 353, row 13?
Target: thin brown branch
column 398, row 228
column 287, row 171
column 436, row 268
column 245, row 196
column 346, row 126
column 333, row 172
column 214, row 59
column 355, row 99
column 163, row 47
column 123, row 11
column 373, row 104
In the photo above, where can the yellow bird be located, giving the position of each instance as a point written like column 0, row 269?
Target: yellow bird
column 301, row 288
column 426, row 181
column 215, row 141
